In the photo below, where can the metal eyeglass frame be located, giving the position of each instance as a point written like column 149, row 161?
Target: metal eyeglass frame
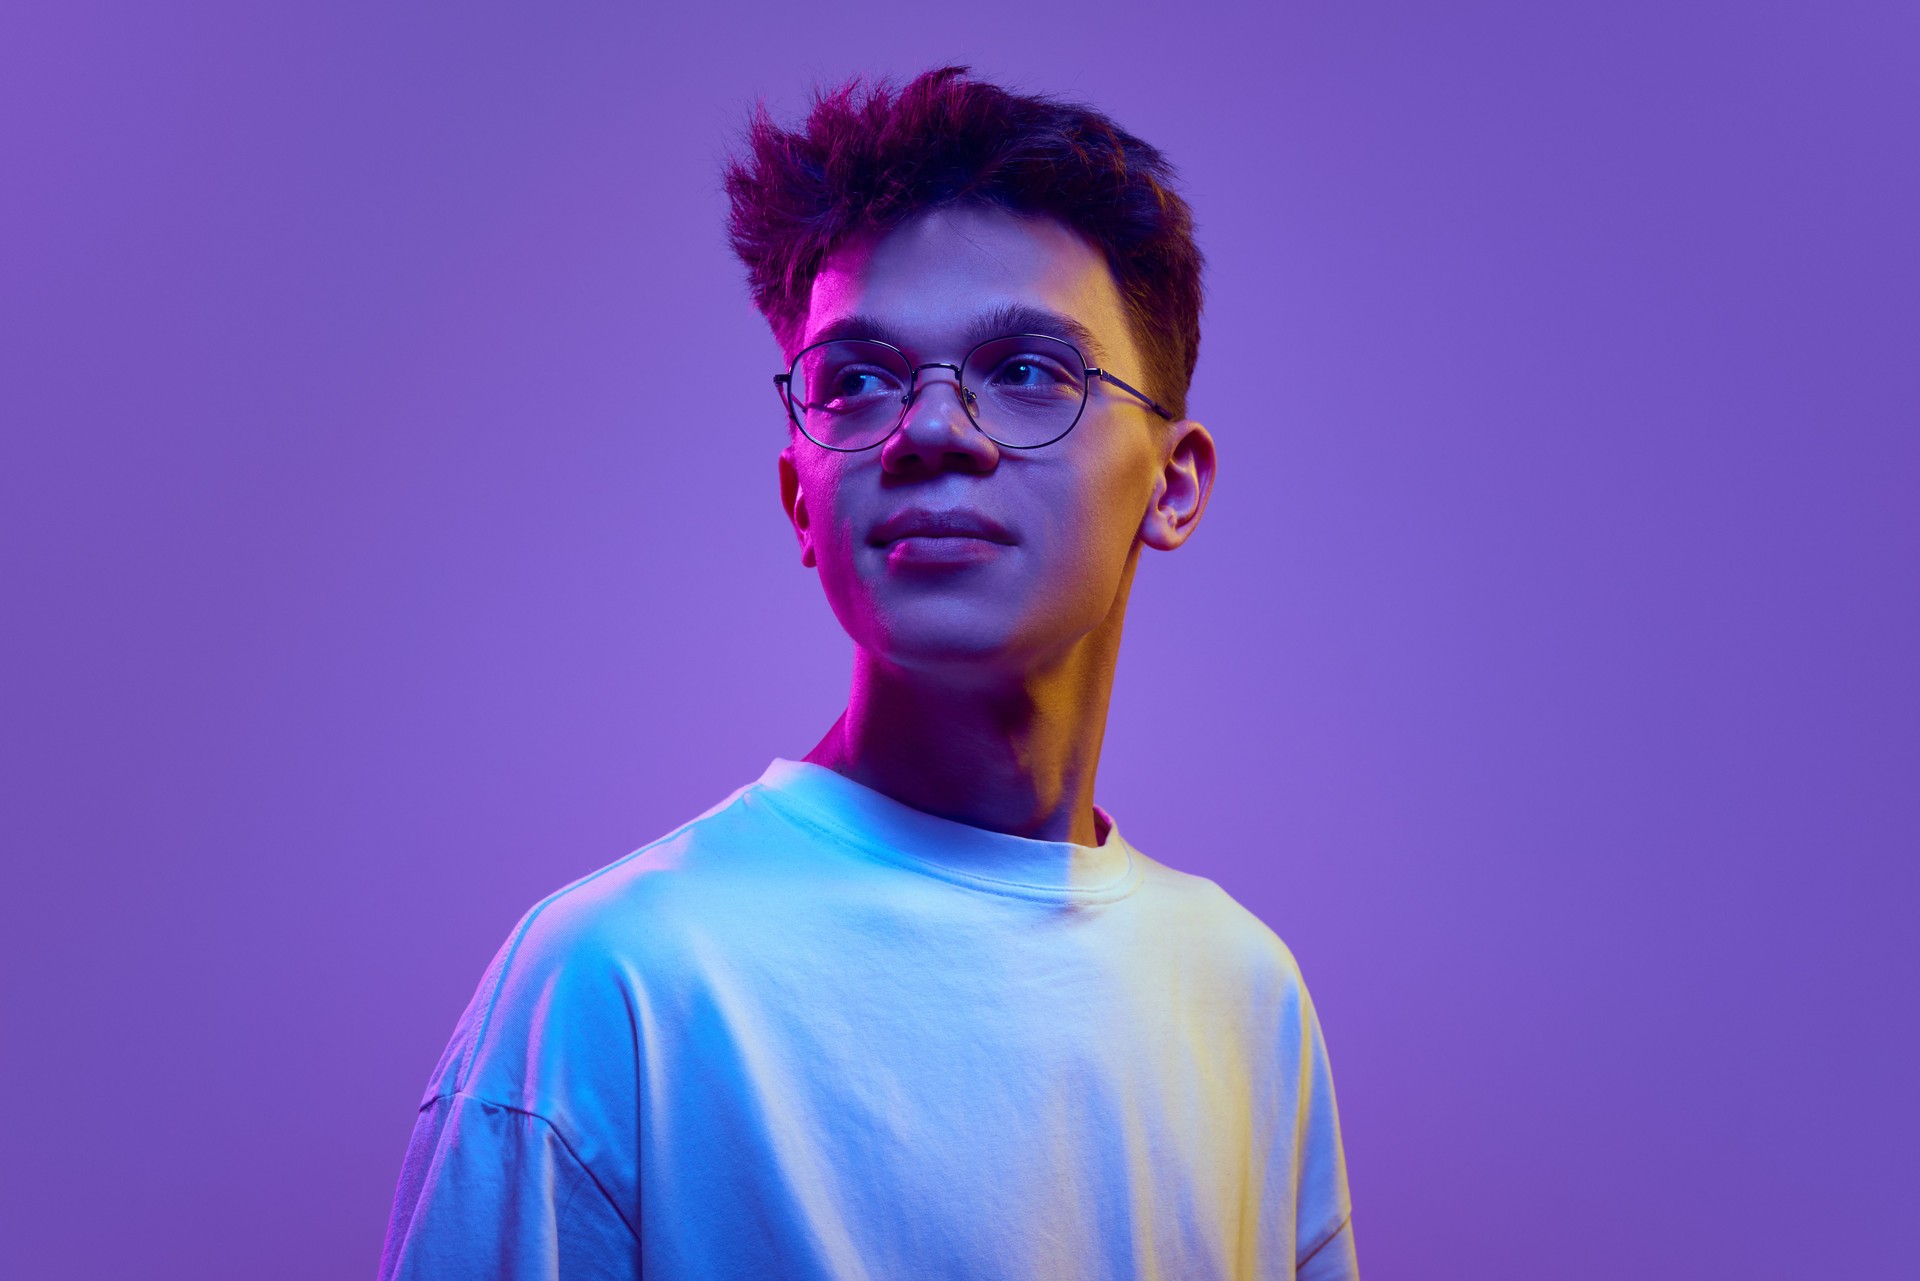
column 783, row 385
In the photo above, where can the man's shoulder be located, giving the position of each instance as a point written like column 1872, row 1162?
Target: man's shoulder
column 599, row 910
column 577, row 962
column 1228, row 932
column 703, row 872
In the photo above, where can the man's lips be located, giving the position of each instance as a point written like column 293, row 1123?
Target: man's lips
column 953, row 522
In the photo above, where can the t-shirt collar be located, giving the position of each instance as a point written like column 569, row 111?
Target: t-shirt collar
column 946, row 847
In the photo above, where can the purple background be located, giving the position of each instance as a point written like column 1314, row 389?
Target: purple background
column 392, row 535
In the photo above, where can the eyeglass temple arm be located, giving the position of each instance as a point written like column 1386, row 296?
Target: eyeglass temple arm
column 1135, row 392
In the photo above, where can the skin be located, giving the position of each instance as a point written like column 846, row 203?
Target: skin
column 982, row 671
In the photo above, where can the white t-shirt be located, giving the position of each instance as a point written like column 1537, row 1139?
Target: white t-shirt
column 817, row 1033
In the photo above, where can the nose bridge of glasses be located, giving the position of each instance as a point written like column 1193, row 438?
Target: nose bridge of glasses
column 961, row 391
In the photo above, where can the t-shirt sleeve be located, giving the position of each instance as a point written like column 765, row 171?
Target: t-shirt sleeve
column 1324, row 1214
column 490, row 1191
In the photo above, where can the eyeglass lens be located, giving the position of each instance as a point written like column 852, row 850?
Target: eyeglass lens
column 1022, row 391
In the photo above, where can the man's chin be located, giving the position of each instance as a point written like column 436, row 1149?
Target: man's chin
column 963, row 647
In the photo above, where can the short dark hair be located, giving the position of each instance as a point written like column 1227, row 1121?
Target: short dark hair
column 870, row 156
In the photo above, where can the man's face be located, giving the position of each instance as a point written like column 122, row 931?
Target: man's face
column 1067, row 518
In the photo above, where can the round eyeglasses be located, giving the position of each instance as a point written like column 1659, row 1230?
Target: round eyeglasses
column 1021, row 390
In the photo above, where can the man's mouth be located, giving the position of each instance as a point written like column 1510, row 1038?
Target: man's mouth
column 926, row 524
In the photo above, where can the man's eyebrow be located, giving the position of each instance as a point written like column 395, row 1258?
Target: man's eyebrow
column 1023, row 318
column 1008, row 318
column 859, row 326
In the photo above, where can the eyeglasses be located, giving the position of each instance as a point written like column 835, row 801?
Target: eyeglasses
column 1021, row 390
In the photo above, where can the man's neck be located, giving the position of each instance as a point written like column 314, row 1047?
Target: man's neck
column 1016, row 755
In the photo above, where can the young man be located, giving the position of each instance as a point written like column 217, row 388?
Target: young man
column 913, row 1007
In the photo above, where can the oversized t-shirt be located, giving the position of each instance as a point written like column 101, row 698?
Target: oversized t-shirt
column 817, row 1033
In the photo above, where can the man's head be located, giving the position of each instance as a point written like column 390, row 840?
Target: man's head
column 933, row 219
column 869, row 158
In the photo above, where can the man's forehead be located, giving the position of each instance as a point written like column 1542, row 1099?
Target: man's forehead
column 951, row 275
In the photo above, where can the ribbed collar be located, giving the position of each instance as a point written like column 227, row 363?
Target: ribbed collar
column 955, row 851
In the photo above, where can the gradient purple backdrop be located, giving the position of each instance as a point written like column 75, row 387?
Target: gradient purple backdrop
column 391, row 535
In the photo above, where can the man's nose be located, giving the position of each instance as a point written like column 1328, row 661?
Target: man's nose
column 937, row 424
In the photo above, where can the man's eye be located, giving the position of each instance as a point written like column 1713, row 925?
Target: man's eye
column 1023, row 372
column 856, row 384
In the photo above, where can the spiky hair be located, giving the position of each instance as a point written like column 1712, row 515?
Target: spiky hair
column 871, row 155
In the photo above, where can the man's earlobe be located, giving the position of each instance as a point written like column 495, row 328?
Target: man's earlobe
column 1180, row 496
column 795, row 504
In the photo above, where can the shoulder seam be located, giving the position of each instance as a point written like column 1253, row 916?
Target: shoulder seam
column 1308, row 1256
column 460, row 1077
column 565, row 1146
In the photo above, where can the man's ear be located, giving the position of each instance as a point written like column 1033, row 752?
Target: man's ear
column 795, row 504
column 1180, row 493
